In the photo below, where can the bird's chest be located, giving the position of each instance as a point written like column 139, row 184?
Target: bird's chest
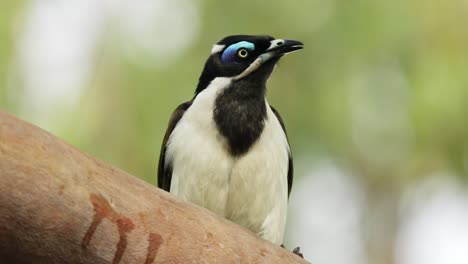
column 239, row 120
column 243, row 188
column 207, row 172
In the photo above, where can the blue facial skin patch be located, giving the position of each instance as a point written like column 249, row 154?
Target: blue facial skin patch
column 230, row 53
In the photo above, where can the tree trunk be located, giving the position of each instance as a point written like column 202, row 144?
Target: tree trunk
column 58, row 205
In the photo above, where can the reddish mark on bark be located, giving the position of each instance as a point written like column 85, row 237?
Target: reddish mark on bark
column 154, row 242
column 102, row 209
column 61, row 188
column 125, row 225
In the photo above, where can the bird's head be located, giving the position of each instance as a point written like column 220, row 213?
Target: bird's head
column 245, row 57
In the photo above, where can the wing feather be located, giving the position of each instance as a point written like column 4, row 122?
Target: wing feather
column 165, row 170
column 290, row 162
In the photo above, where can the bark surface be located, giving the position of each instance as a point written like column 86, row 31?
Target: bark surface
column 59, row 205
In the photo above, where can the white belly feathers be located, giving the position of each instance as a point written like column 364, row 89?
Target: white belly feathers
column 251, row 189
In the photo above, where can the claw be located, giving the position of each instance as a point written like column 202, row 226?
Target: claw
column 297, row 251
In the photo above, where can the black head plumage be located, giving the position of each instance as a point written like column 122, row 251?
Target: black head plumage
column 234, row 54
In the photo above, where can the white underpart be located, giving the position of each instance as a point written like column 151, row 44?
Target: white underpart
column 217, row 48
column 250, row 190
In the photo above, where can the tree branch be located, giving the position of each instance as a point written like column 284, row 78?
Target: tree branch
column 58, row 205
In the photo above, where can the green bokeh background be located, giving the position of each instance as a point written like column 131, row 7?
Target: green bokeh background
column 381, row 89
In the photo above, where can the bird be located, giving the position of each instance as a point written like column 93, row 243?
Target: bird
column 226, row 149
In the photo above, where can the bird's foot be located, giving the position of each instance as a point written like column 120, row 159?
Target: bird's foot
column 296, row 251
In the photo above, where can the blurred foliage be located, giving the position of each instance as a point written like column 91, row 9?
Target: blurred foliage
column 8, row 13
column 417, row 48
column 380, row 88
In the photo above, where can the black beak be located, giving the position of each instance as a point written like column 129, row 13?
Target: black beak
column 285, row 46
column 278, row 48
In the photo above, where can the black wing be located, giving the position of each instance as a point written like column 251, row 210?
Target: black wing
column 290, row 162
column 165, row 172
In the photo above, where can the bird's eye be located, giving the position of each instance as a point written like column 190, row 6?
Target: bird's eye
column 242, row 53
